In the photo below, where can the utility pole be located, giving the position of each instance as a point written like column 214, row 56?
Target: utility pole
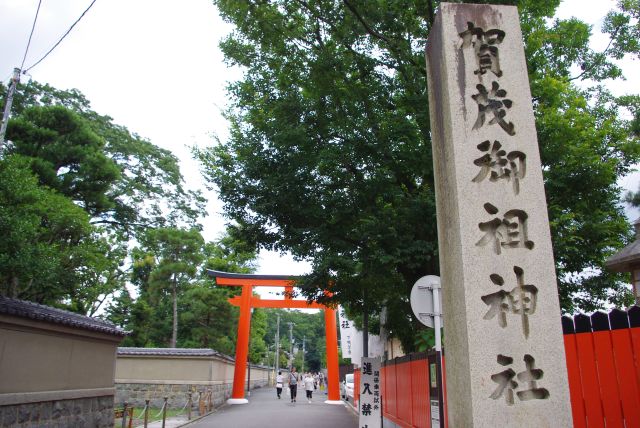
column 7, row 107
column 277, row 364
column 291, row 345
column 365, row 326
column 304, row 340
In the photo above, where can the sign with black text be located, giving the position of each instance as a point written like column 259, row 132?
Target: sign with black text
column 370, row 394
column 347, row 331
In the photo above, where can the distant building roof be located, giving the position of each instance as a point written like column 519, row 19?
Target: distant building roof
column 628, row 257
column 34, row 311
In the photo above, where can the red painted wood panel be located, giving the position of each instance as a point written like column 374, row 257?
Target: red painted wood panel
column 589, row 376
column 383, row 388
column 603, row 374
column 627, row 382
column 575, row 383
column 635, row 341
column 608, row 378
column 403, row 391
column 420, row 415
column 399, row 422
column 391, row 391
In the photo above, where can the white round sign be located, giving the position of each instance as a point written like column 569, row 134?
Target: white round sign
column 421, row 299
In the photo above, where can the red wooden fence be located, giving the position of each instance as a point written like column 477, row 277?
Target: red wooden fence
column 405, row 391
column 603, row 365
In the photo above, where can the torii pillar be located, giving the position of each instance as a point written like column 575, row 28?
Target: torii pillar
column 246, row 301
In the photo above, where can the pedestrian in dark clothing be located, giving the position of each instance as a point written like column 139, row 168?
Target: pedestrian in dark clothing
column 293, row 384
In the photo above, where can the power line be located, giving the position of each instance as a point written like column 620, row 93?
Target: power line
column 62, row 38
column 33, row 27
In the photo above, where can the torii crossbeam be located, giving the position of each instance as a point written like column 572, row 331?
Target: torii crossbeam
column 247, row 300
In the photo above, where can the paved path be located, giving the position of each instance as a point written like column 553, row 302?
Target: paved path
column 266, row 411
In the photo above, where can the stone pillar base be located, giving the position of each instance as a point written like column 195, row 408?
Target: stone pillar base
column 237, row 401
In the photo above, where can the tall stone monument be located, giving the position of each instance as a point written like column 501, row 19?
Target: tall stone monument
column 505, row 363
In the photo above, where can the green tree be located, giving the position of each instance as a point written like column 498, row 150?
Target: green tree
column 329, row 152
column 634, row 198
column 50, row 253
column 205, row 317
column 124, row 181
column 207, row 320
column 177, row 253
column 124, row 184
column 257, row 344
column 306, row 325
column 66, row 154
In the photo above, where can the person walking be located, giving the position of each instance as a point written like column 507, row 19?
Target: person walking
column 279, row 380
column 308, row 386
column 293, row 384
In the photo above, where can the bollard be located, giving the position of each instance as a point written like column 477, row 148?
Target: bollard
column 189, row 406
column 200, row 404
column 146, row 413
column 164, row 411
column 124, row 415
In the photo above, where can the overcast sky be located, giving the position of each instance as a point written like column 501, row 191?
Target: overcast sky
column 155, row 67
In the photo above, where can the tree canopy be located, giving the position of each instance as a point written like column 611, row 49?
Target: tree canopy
column 123, row 181
column 329, row 153
column 76, row 189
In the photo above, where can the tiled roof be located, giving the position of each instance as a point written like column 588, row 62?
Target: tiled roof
column 625, row 258
column 34, row 311
column 173, row 352
column 180, row 352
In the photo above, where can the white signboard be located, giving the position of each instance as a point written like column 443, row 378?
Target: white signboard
column 370, row 394
column 376, row 346
column 435, row 414
column 347, row 331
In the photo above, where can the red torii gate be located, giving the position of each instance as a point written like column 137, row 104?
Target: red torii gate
column 247, row 300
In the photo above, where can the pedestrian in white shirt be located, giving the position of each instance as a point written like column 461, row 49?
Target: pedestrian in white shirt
column 308, row 386
column 279, row 380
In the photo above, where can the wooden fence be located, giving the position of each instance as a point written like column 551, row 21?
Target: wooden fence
column 405, row 391
column 603, row 365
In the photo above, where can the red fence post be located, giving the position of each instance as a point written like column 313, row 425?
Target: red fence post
column 420, row 391
column 573, row 372
column 634, row 323
column 383, row 387
column 392, row 390
column 403, row 389
column 623, row 357
column 588, row 371
column 606, row 369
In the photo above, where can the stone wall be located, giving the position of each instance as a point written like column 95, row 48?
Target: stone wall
column 135, row 394
column 96, row 412
column 154, row 373
column 56, row 367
